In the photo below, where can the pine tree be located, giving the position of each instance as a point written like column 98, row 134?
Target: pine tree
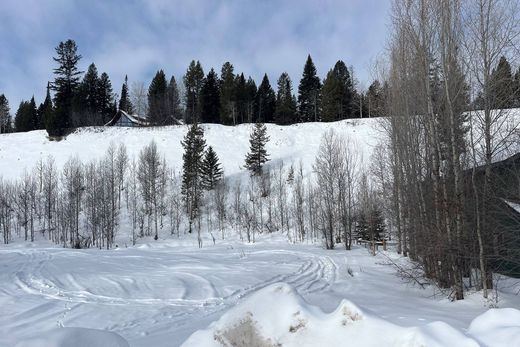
column 210, row 169
column 265, row 102
column 174, row 101
column 257, row 155
column 192, row 190
column 65, row 85
column 375, row 100
column 309, row 93
column 106, row 103
column 285, row 111
column 210, row 98
column 124, row 102
column 157, row 100
column 193, row 80
column 337, row 94
column 227, row 88
column 5, row 115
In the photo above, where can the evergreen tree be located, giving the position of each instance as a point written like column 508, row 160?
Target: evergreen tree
column 285, row 112
column 65, row 85
column 337, row 94
column 210, row 98
column 45, row 110
column 501, row 85
column 5, row 115
column 240, row 99
column 124, row 102
column 227, row 90
column 265, row 102
column 106, row 103
column 193, row 80
column 257, row 155
column 86, row 108
column 174, row 101
column 210, row 169
column 157, row 100
column 376, row 100
column 192, row 190
column 309, row 93
column 26, row 116
column 250, row 100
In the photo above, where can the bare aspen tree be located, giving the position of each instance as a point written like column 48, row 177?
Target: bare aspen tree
column 220, row 200
column 149, row 176
column 175, row 202
column 6, row 209
column 50, row 196
column 299, row 208
column 73, row 187
column 121, row 168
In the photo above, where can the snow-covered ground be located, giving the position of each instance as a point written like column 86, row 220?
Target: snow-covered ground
column 290, row 144
column 170, row 292
column 160, row 293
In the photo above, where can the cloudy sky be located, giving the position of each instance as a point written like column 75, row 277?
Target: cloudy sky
column 138, row 37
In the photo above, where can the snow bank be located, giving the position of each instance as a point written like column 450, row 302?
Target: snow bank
column 75, row 337
column 497, row 327
column 278, row 316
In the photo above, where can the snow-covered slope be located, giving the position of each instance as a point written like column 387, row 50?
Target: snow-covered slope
column 21, row 151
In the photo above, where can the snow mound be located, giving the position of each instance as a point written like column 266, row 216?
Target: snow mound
column 75, row 337
column 497, row 327
column 278, row 316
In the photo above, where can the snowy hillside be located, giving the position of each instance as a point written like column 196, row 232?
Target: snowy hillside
column 20, row 151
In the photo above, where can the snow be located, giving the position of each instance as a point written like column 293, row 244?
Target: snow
column 169, row 292
column 77, row 337
column 278, row 315
column 289, row 144
column 160, row 293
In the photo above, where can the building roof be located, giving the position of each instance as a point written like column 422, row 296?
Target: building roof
column 133, row 118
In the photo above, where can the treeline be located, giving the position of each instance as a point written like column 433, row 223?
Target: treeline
column 448, row 57
column 86, row 204
column 229, row 98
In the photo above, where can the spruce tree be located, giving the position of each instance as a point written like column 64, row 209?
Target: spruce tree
column 174, row 101
column 309, row 93
column 124, row 102
column 193, row 80
column 26, row 116
column 516, row 88
column 250, row 100
column 337, row 94
column 227, row 90
column 265, row 102
column 285, row 111
column 106, row 104
column 501, row 85
column 5, row 115
column 85, row 106
column 210, row 169
column 45, row 110
column 65, row 86
column 192, row 190
column 157, row 99
column 257, row 155
column 210, row 98
column 240, row 99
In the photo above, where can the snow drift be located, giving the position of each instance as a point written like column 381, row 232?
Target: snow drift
column 278, row 316
column 75, row 337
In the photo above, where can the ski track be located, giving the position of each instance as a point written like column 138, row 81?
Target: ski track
column 315, row 274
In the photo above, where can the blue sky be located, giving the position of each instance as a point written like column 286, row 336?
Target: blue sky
column 138, row 37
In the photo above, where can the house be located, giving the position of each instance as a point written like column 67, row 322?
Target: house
column 123, row 119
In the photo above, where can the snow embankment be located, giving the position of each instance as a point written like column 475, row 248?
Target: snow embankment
column 75, row 337
column 290, row 144
column 278, row 316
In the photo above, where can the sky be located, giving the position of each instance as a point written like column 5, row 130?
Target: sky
column 138, row 37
